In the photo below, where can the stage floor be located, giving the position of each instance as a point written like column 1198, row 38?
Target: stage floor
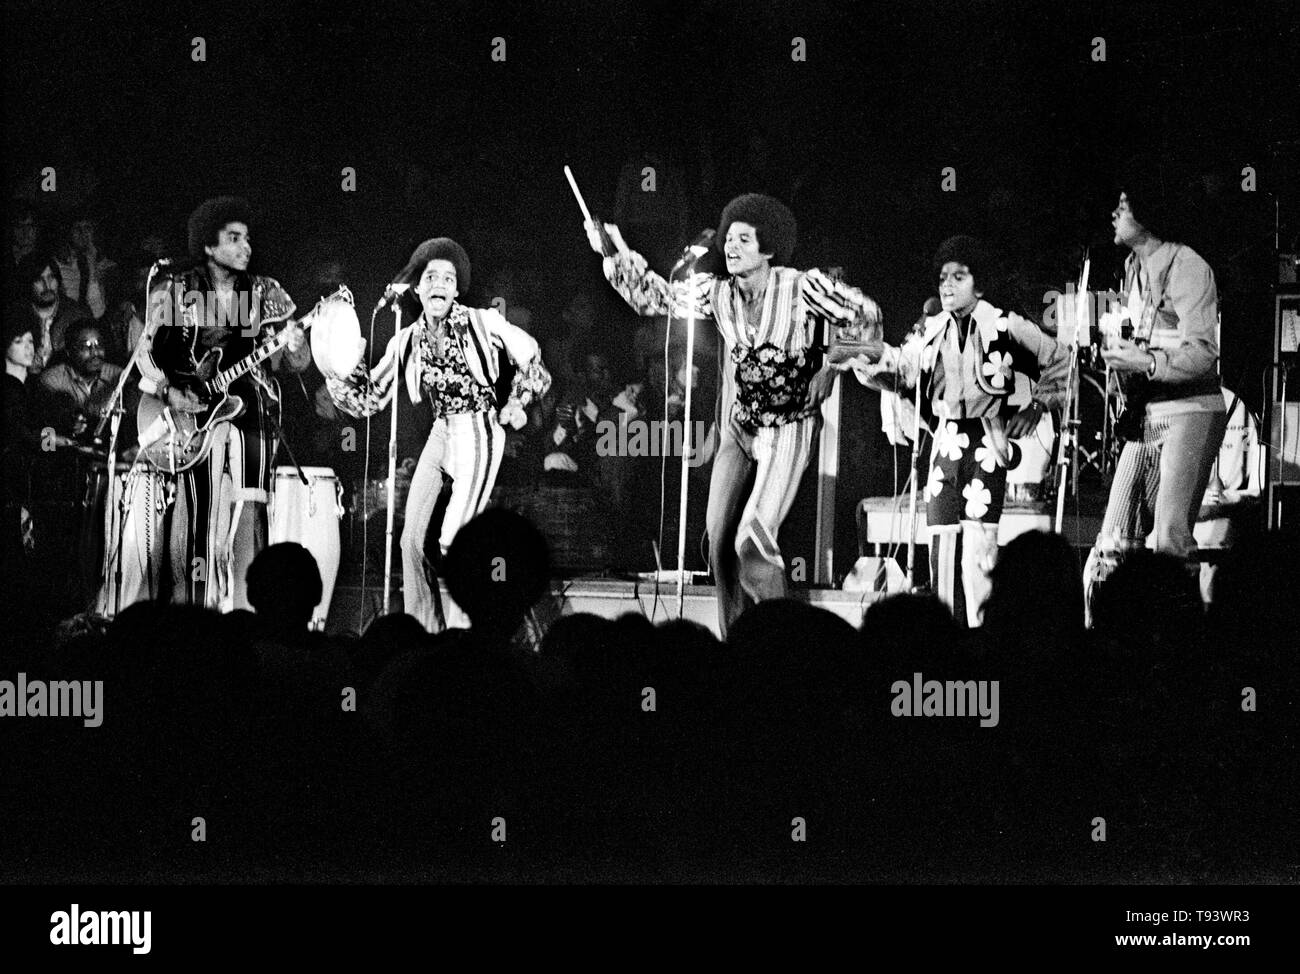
column 609, row 598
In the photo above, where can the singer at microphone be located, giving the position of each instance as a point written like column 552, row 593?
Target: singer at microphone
column 773, row 321
column 963, row 361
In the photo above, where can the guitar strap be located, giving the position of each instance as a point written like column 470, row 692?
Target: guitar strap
column 1152, row 300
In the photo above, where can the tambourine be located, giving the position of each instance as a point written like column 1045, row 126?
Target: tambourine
column 336, row 345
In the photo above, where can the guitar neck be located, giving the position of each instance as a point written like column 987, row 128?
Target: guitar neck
column 225, row 377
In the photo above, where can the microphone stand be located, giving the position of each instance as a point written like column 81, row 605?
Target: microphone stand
column 1070, row 426
column 916, row 476
column 392, row 465
column 277, row 430
column 111, row 416
column 687, row 265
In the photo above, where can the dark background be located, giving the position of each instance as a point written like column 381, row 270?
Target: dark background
column 446, row 141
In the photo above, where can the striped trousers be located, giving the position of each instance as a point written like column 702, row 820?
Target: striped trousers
column 218, row 523
column 467, row 448
column 1159, row 484
column 755, row 479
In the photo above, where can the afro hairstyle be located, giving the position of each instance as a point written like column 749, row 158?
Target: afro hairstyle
column 970, row 251
column 438, row 248
column 1151, row 195
column 771, row 219
column 210, row 217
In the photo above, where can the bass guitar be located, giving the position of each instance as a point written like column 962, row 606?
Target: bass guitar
column 173, row 441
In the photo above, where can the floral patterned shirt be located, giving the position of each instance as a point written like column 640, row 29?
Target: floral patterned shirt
column 771, row 386
column 973, row 377
column 774, row 355
column 452, row 382
column 447, row 380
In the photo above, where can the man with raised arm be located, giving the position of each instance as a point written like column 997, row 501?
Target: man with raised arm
column 774, row 323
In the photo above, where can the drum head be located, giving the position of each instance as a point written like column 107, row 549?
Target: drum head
column 311, row 473
column 336, row 338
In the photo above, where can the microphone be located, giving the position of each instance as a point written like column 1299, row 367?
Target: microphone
column 392, row 293
column 931, row 308
column 696, row 249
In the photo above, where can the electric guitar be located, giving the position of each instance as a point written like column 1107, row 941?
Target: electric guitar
column 1129, row 390
column 173, row 441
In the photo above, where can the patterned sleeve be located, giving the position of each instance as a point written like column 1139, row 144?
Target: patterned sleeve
column 278, row 308
column 839, row 303
column 1052, row 357
column 365, row 392
column 650, row 295
column 530, row 382
column 531, row 379
column 898, row 368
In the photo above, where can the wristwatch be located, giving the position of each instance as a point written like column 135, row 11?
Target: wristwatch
column 1151, row 369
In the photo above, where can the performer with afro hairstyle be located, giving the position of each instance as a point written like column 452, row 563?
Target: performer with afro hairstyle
column 219, row 521
column 772, row 320
column 1175, row 416
column 449, row 355
column 966, row 359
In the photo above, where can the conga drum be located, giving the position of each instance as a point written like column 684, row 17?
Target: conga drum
column 1025, row 479
column 309, row 515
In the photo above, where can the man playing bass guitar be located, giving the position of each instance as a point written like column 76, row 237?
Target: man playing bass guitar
column 1174, row 417
column 219, row 520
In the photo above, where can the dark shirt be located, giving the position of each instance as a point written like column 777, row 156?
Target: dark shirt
column 187, row 334
column 21, row 442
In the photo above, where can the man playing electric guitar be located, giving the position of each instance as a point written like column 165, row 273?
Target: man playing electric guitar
column 1174, row 410
column 218, row 525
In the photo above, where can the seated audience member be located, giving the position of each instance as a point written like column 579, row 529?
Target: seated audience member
column 42, row 303
column 124, row 322
column 22, row 440
column 1150, row 606
column 86, row 273
column 284, row 587
column 580, row 409
column 497, row 568
column 1036, row 600
column 385, row 639
column 74, row 392
column 24, row 231
column 31, row 538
